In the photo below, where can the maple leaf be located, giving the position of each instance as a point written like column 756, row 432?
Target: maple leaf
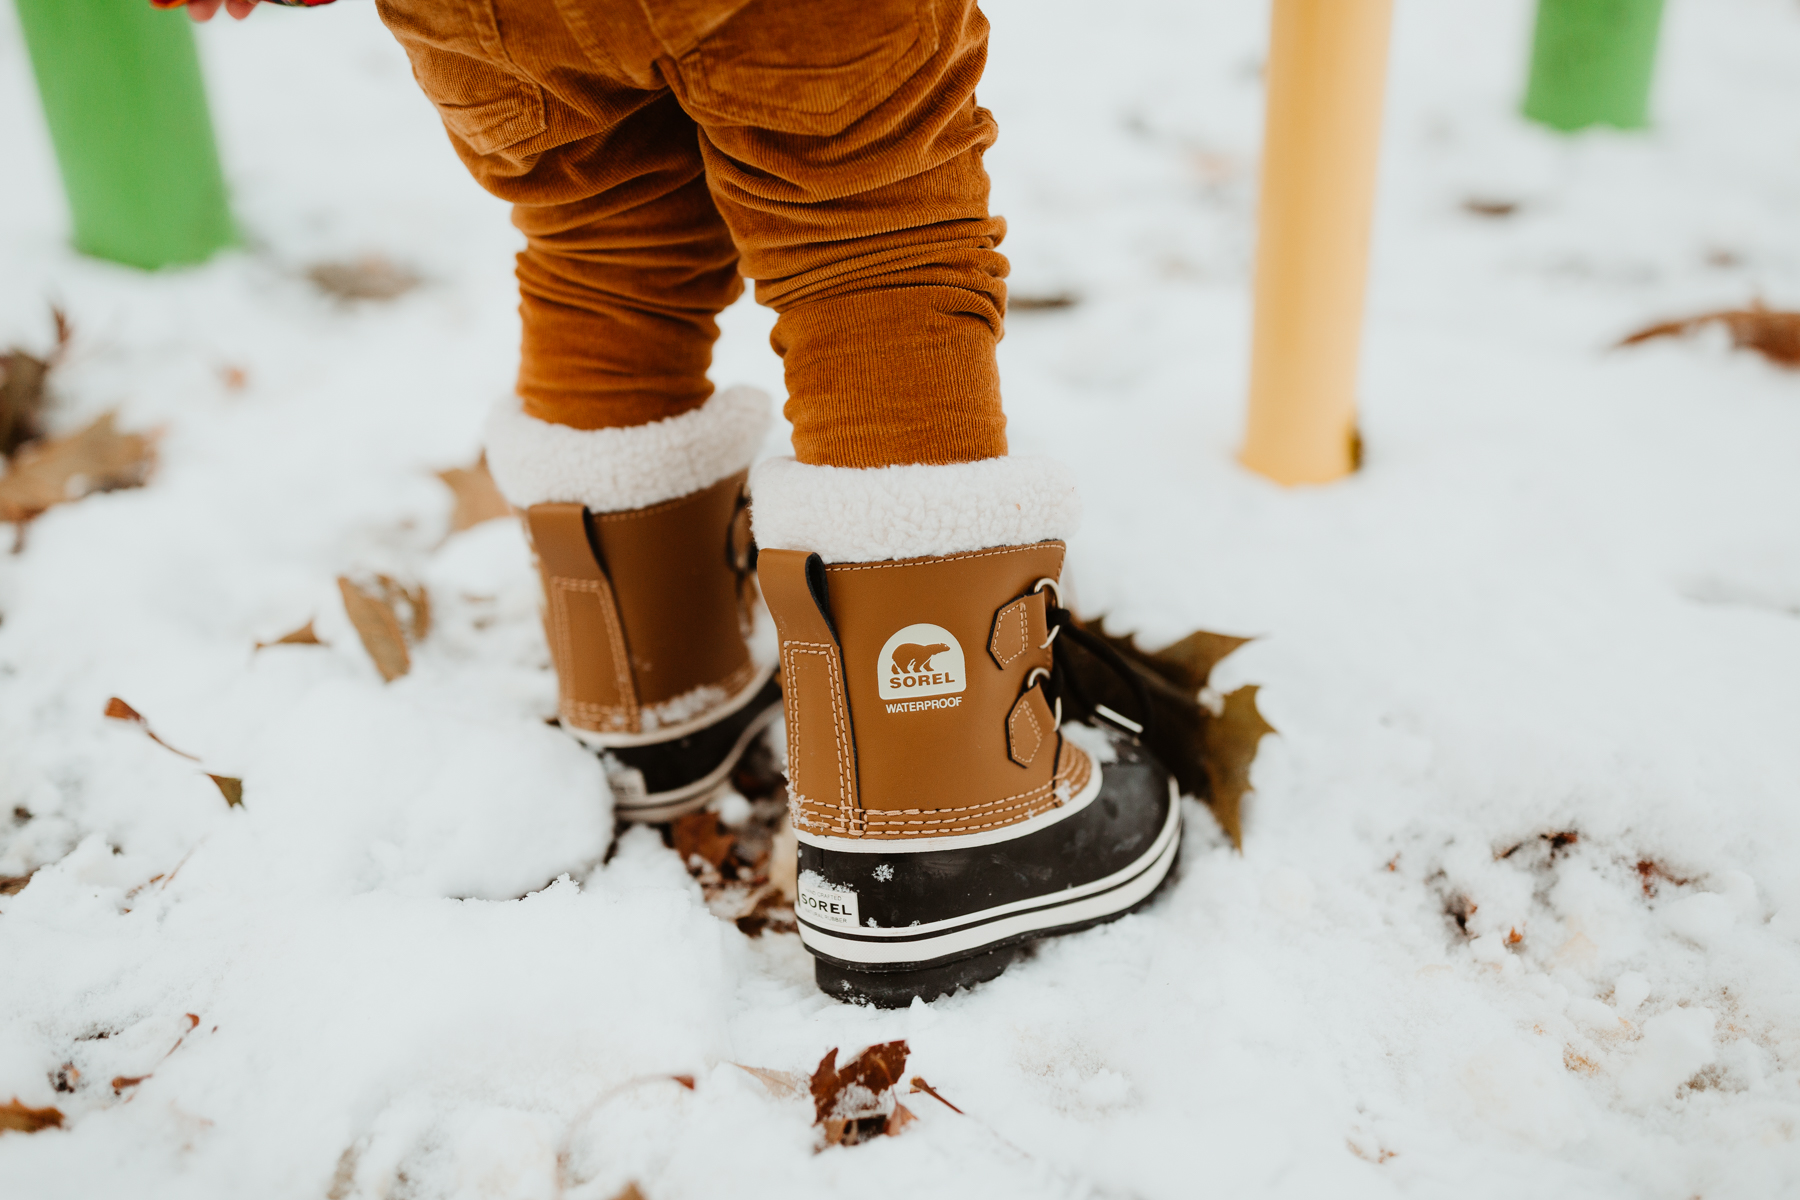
column 1772, row 334
column 303, row 636
column 1206, row 753
column 22, row 1118
column 376, row 614
column 856, row 1102
column 1231, row 741
column 55, row 471
column 477, row 498
column 118, row 710
column 371, row 277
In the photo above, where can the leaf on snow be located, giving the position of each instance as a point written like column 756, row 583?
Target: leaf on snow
column 22, row 394
column 12, row 885
column 1231, row 741
column 57, row 470
column 371, row 277
column 630, row 1191
column 477, row 498
column 232, row 789
column 919, row 1085
column 377, row 615
column 781, row 1084
column 303, row 636
column 22, row 1118
column 857, row 1102
column 703, row 834
column 118, row 710
column 1774, row 335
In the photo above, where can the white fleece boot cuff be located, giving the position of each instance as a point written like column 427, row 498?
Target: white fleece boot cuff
column 847, row 515
column 614, row 470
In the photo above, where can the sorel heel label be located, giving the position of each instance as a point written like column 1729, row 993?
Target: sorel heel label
column 822, row 903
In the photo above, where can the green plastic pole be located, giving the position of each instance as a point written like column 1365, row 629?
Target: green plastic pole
column 127, row 112
column 1591, row 63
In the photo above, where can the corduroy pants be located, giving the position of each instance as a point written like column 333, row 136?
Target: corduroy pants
column 654, row 150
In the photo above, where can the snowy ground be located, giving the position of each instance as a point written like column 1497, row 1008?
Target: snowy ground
column 1563, row 598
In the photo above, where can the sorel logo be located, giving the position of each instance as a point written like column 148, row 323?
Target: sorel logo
column 918, row 661
column 823, row 904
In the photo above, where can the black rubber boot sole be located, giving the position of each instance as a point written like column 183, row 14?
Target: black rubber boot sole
column 889, row 922
column 665, row 780
column 898, row 989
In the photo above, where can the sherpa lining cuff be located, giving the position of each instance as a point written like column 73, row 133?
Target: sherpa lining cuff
column 614, row 470
column 844, row 514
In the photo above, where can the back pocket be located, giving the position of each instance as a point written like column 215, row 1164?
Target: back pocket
column 807, row 66
column 462, row 67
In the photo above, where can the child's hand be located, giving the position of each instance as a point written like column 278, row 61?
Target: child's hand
column 203, row 10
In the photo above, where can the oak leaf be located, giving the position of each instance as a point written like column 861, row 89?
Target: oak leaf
column 57, row 470
column 477, row 497
column 1772, row 334
column 22, row 1118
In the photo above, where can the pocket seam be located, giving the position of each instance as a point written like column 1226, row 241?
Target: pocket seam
column 704, row 93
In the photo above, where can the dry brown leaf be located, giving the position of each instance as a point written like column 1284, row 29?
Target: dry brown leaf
column 22, row 393
column 231, row 789
column 118, row 710
column 919, row 1085
column 1483, row 206
column 22, row 1118
column 121, row 1082
column 372, row 613
column 1774, row 335
column 303, row 636
column 856, row 1102
column 477, row 498
column 899, row 1119
column 12, row 885
column 57, row 470
column 1047, row 302
column 703, row 834
column 371, row 277
column 781, row 1084
column 1231, row 741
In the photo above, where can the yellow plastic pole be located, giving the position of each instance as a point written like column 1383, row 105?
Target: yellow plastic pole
column 1321, row 138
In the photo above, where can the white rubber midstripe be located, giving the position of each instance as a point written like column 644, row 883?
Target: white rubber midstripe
column 670, row 733
column 961, row 841
column 1150, row 868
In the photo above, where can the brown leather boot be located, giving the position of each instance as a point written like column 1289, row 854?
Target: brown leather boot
column 642, row 541
column 945, row 814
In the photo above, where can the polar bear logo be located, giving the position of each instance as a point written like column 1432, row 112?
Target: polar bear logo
column 918, row 662
column 911, row 659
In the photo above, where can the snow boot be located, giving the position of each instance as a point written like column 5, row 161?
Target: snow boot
column 945, row 815
column 642, row 542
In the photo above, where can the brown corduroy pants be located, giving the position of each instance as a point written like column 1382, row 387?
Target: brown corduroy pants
column 654, row 149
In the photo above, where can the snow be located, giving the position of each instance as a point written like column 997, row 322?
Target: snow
column 1561, row 598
